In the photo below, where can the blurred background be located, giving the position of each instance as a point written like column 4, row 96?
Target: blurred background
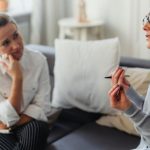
column 42, row 21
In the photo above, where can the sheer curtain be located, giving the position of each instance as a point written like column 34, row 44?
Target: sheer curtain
column 44, row 27
column 123, row 19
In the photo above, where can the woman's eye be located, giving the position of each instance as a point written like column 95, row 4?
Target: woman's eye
column 15, row 35
column 6, row 43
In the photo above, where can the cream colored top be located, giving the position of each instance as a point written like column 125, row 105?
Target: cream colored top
column 36, row 90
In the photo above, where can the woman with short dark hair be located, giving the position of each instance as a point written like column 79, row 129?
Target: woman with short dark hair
column 24, row 92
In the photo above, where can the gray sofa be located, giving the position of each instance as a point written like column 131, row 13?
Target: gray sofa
column 76, row 129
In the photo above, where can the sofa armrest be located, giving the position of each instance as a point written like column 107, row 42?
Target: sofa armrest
column 134, row 62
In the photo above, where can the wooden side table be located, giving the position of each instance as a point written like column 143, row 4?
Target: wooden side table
column 70, row 28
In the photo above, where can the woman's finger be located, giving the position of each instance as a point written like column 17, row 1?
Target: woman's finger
column 113, row 96
column 10, row 57
column 115, row 91
column 116, row 75
column 112, row 89
column 3, row 64
column 121, row 77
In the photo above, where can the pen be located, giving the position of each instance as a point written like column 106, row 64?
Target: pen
column 109, row 77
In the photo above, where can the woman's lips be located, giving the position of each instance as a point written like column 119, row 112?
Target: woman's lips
column 17, row 56
column 147, row 37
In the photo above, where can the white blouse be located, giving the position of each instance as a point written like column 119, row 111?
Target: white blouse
column 36, row 90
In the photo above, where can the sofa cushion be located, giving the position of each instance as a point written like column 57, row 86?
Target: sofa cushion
column 95, row 137
column 69, row 120
column 80, row 68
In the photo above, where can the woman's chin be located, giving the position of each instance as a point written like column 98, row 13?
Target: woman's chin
column 148, row 45
column 17, row 57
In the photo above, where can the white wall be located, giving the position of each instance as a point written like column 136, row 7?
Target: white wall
column 20, row 5
column 122, row 18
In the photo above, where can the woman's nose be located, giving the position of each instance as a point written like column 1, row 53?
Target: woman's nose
column 146, row 26
column 14, row 46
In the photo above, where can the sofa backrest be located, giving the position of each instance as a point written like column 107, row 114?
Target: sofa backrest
column 49, row 52
column 134, row 62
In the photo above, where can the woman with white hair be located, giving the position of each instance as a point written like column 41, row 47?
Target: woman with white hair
column 123, row 97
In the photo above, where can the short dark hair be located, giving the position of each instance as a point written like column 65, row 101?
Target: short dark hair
column 5, row 19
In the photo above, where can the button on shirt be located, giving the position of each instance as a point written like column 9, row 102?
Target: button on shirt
column 36, row 90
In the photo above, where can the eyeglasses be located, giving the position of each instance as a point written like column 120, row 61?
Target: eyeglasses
column 146, row 19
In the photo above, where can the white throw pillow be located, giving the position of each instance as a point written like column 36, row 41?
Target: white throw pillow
column 140, row 80
column 79, row 72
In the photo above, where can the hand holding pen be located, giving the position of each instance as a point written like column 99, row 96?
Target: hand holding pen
column 119, row 77
column 118, row 98
column 117, row 94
